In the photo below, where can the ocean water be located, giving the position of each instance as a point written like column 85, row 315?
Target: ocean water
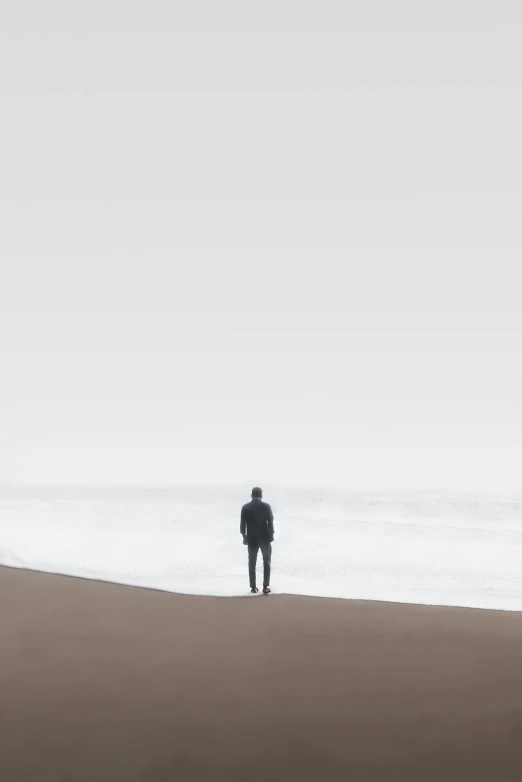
column 419, row 547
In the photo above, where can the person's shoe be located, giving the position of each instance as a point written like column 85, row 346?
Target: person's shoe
column 266, row 590
column 254, row 589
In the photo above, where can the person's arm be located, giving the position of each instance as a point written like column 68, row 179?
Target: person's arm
column 270, row 519
column 242, row 525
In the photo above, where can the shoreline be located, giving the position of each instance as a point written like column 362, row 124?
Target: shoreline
column 248, row 595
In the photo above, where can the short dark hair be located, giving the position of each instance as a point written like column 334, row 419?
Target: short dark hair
column 257, row 492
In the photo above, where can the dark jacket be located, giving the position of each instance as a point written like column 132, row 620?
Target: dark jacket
column 257, row 520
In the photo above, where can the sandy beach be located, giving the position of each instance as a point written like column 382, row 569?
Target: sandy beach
column 114, row 683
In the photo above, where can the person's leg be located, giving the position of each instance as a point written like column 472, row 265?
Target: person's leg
column 266, row 549
column 253, row 548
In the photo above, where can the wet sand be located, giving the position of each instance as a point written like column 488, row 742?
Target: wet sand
column 108, row 683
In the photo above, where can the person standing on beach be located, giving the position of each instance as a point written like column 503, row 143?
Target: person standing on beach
column 257, row 529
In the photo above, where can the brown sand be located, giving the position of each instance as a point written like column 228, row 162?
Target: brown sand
column 102, row 682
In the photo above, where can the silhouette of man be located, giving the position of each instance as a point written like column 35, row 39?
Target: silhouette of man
column 257, row 529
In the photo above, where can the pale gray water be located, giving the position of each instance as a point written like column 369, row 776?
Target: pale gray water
column 449, row 549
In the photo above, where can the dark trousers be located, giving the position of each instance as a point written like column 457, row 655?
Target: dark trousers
column 266, row 549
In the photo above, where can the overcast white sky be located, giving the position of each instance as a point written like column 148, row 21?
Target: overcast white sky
column 270, row 242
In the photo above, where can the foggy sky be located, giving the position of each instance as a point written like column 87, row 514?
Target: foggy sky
column 278, row 246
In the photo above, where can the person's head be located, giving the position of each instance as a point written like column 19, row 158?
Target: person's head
column 257, row 492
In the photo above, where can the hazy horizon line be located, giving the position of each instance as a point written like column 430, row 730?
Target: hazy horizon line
column 267, row 487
